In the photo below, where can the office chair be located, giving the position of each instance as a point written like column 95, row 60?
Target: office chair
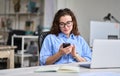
column 41, row 38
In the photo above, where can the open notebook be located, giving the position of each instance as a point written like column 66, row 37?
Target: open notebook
column 61, row 68
column 106, row 54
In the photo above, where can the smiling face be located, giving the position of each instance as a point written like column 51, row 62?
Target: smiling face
column 66, row 24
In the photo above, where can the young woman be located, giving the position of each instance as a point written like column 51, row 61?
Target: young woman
column 64, row 30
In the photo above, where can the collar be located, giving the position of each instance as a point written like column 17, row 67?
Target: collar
column 72, row 36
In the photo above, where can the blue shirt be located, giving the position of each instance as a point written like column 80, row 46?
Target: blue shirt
column 51, row 45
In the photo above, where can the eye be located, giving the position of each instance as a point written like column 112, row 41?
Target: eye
column 61, row 23
column 69, row 22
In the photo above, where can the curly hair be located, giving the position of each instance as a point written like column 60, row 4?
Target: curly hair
column 55, row 29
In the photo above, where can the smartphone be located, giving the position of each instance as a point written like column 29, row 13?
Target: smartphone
column 66, row 44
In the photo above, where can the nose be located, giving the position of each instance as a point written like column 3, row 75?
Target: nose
column 65, row 26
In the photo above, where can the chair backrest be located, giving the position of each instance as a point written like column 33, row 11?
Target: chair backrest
column 41, row 38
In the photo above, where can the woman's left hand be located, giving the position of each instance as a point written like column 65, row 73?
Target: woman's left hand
column 73, row 52
column 76, row 55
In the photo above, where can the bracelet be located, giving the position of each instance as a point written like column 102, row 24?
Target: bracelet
column 75, row 56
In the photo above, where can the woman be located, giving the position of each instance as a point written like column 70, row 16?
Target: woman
column 64, row 30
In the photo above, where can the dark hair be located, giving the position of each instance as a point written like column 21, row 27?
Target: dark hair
column 55, row 29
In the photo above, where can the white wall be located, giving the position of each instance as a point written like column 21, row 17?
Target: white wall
column 87, row 10
column 49, row 11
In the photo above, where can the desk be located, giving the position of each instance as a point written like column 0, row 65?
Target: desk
column 8, row 52
column 24, row 38
column 29, row 71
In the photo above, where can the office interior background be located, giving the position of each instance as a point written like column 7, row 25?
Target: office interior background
column 84, row 10
column 91, row 10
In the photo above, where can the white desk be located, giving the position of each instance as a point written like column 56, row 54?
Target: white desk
column 24, row 38
column 30, row 71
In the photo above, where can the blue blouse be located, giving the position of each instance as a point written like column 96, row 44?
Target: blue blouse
column 51, row 45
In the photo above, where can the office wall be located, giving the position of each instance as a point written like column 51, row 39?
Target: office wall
column 49, row 11
column 87, row 10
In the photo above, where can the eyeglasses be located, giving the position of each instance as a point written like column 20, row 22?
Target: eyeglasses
column 68, row 24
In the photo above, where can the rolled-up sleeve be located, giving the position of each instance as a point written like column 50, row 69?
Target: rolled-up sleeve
column 45, row 51
column 87, row 52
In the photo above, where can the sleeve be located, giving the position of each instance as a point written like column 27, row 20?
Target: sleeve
column 45, row 51
column 87, row 52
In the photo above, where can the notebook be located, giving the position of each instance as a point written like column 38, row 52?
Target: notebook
column 105, row 54
column 59, row 68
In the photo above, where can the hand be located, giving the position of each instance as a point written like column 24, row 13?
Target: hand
column 65, row 50
column 73, row 52
column 76, row 55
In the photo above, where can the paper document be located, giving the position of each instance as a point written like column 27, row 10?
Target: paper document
column 58, row 69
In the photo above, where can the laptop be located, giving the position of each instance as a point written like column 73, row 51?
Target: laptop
column 105, row 54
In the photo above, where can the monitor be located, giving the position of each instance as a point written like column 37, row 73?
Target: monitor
column 103, row 30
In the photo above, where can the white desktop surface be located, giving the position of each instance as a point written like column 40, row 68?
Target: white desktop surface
column 30, row 71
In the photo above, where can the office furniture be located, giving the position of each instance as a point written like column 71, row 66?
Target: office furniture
column 29, row 10
column 17, row 41
column 11, row 19
column 8, row 52
column 30, row 71
column 20, row 53
column 103, row 30
column 41, row 38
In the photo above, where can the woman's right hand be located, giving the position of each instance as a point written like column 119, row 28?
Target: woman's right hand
column 65, row 50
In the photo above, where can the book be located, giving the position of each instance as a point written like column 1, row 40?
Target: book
column 63, row 68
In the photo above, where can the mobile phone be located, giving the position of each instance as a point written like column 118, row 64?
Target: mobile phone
column 66, row 45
